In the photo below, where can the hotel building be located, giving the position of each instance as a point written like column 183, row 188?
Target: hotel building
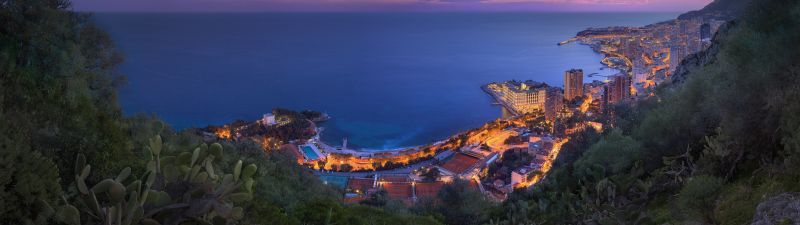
column 530, row 96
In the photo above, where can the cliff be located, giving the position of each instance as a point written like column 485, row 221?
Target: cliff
column 726, row 9
column 706, row 57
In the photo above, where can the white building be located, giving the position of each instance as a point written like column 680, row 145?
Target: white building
column 268, row 119
column 528, row 97
column 520, row 175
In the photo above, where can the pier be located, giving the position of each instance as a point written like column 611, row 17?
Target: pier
column 568, row 41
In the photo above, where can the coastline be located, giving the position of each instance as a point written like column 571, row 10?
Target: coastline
column 498, row 100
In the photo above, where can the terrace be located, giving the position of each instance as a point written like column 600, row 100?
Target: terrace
column 399, row 191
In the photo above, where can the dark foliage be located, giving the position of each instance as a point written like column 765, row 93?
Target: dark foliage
column 703, row 150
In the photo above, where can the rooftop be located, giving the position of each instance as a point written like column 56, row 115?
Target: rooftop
column 361, row 184
column 527, row 86
column 428, row 190
column 398, row 190
column 523, row 170
column 460, row 163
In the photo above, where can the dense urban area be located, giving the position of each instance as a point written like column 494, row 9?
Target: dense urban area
column 509, row 153
column 700, row 126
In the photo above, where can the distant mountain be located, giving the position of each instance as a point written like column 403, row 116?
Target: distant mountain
column 724, row 8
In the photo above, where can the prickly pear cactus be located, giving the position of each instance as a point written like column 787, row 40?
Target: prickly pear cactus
column 181, row 189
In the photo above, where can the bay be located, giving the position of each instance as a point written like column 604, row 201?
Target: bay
column 387, row 79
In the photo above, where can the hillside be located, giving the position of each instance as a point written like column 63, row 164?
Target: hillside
column 717, row 147
column 720, row 144
column 68, row 156
column 727, row 8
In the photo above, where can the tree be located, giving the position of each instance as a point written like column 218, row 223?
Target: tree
column 346, row 167
column 377, row 199
column 377, row 166
column 462, row 205
column 28, row 184
column 58, row 81
column 431, row 175
column 614, row 154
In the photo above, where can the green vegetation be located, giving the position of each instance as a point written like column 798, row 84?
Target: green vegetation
column 501, row 170
column 58, row 80
column 177, row 189
column 30, row 181
column 613, row 154
column 697, row 197
column 58, row 83
column 298, row 126
column 431, row 174
column 459, row 204
column 707, row 150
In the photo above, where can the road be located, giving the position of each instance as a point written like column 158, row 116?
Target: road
column 403, row 170
column 497, row 141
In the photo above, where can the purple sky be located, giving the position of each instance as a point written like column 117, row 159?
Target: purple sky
column 388, row 5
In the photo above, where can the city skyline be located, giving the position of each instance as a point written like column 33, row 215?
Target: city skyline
column 389, row 5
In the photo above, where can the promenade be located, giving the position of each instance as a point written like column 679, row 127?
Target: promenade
column 499, row 100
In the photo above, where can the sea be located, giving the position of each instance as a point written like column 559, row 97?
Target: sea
column 388, row 80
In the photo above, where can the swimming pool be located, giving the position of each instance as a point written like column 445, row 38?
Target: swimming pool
column 337, row 181
column 309, row 153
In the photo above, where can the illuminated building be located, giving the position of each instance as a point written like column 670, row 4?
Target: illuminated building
column 619, row 89
column 268, row 119
column 520, row 175
column 554, row 102
column 528, row 97
column 573, row 84
column 604, row 100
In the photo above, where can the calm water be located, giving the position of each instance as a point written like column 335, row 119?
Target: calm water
column 388, row 80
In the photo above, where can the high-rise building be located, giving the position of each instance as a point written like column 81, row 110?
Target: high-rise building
column 619, row 89
column 604, row 100
column 678, row 51
column 553, row 104
column 573, row 84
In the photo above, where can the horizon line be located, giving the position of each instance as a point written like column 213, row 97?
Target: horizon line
column 381, row 11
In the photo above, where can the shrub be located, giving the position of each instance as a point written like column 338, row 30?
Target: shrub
column 28, row 183
column 698, row 196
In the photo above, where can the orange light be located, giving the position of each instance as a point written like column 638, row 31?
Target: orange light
column 223, row 133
